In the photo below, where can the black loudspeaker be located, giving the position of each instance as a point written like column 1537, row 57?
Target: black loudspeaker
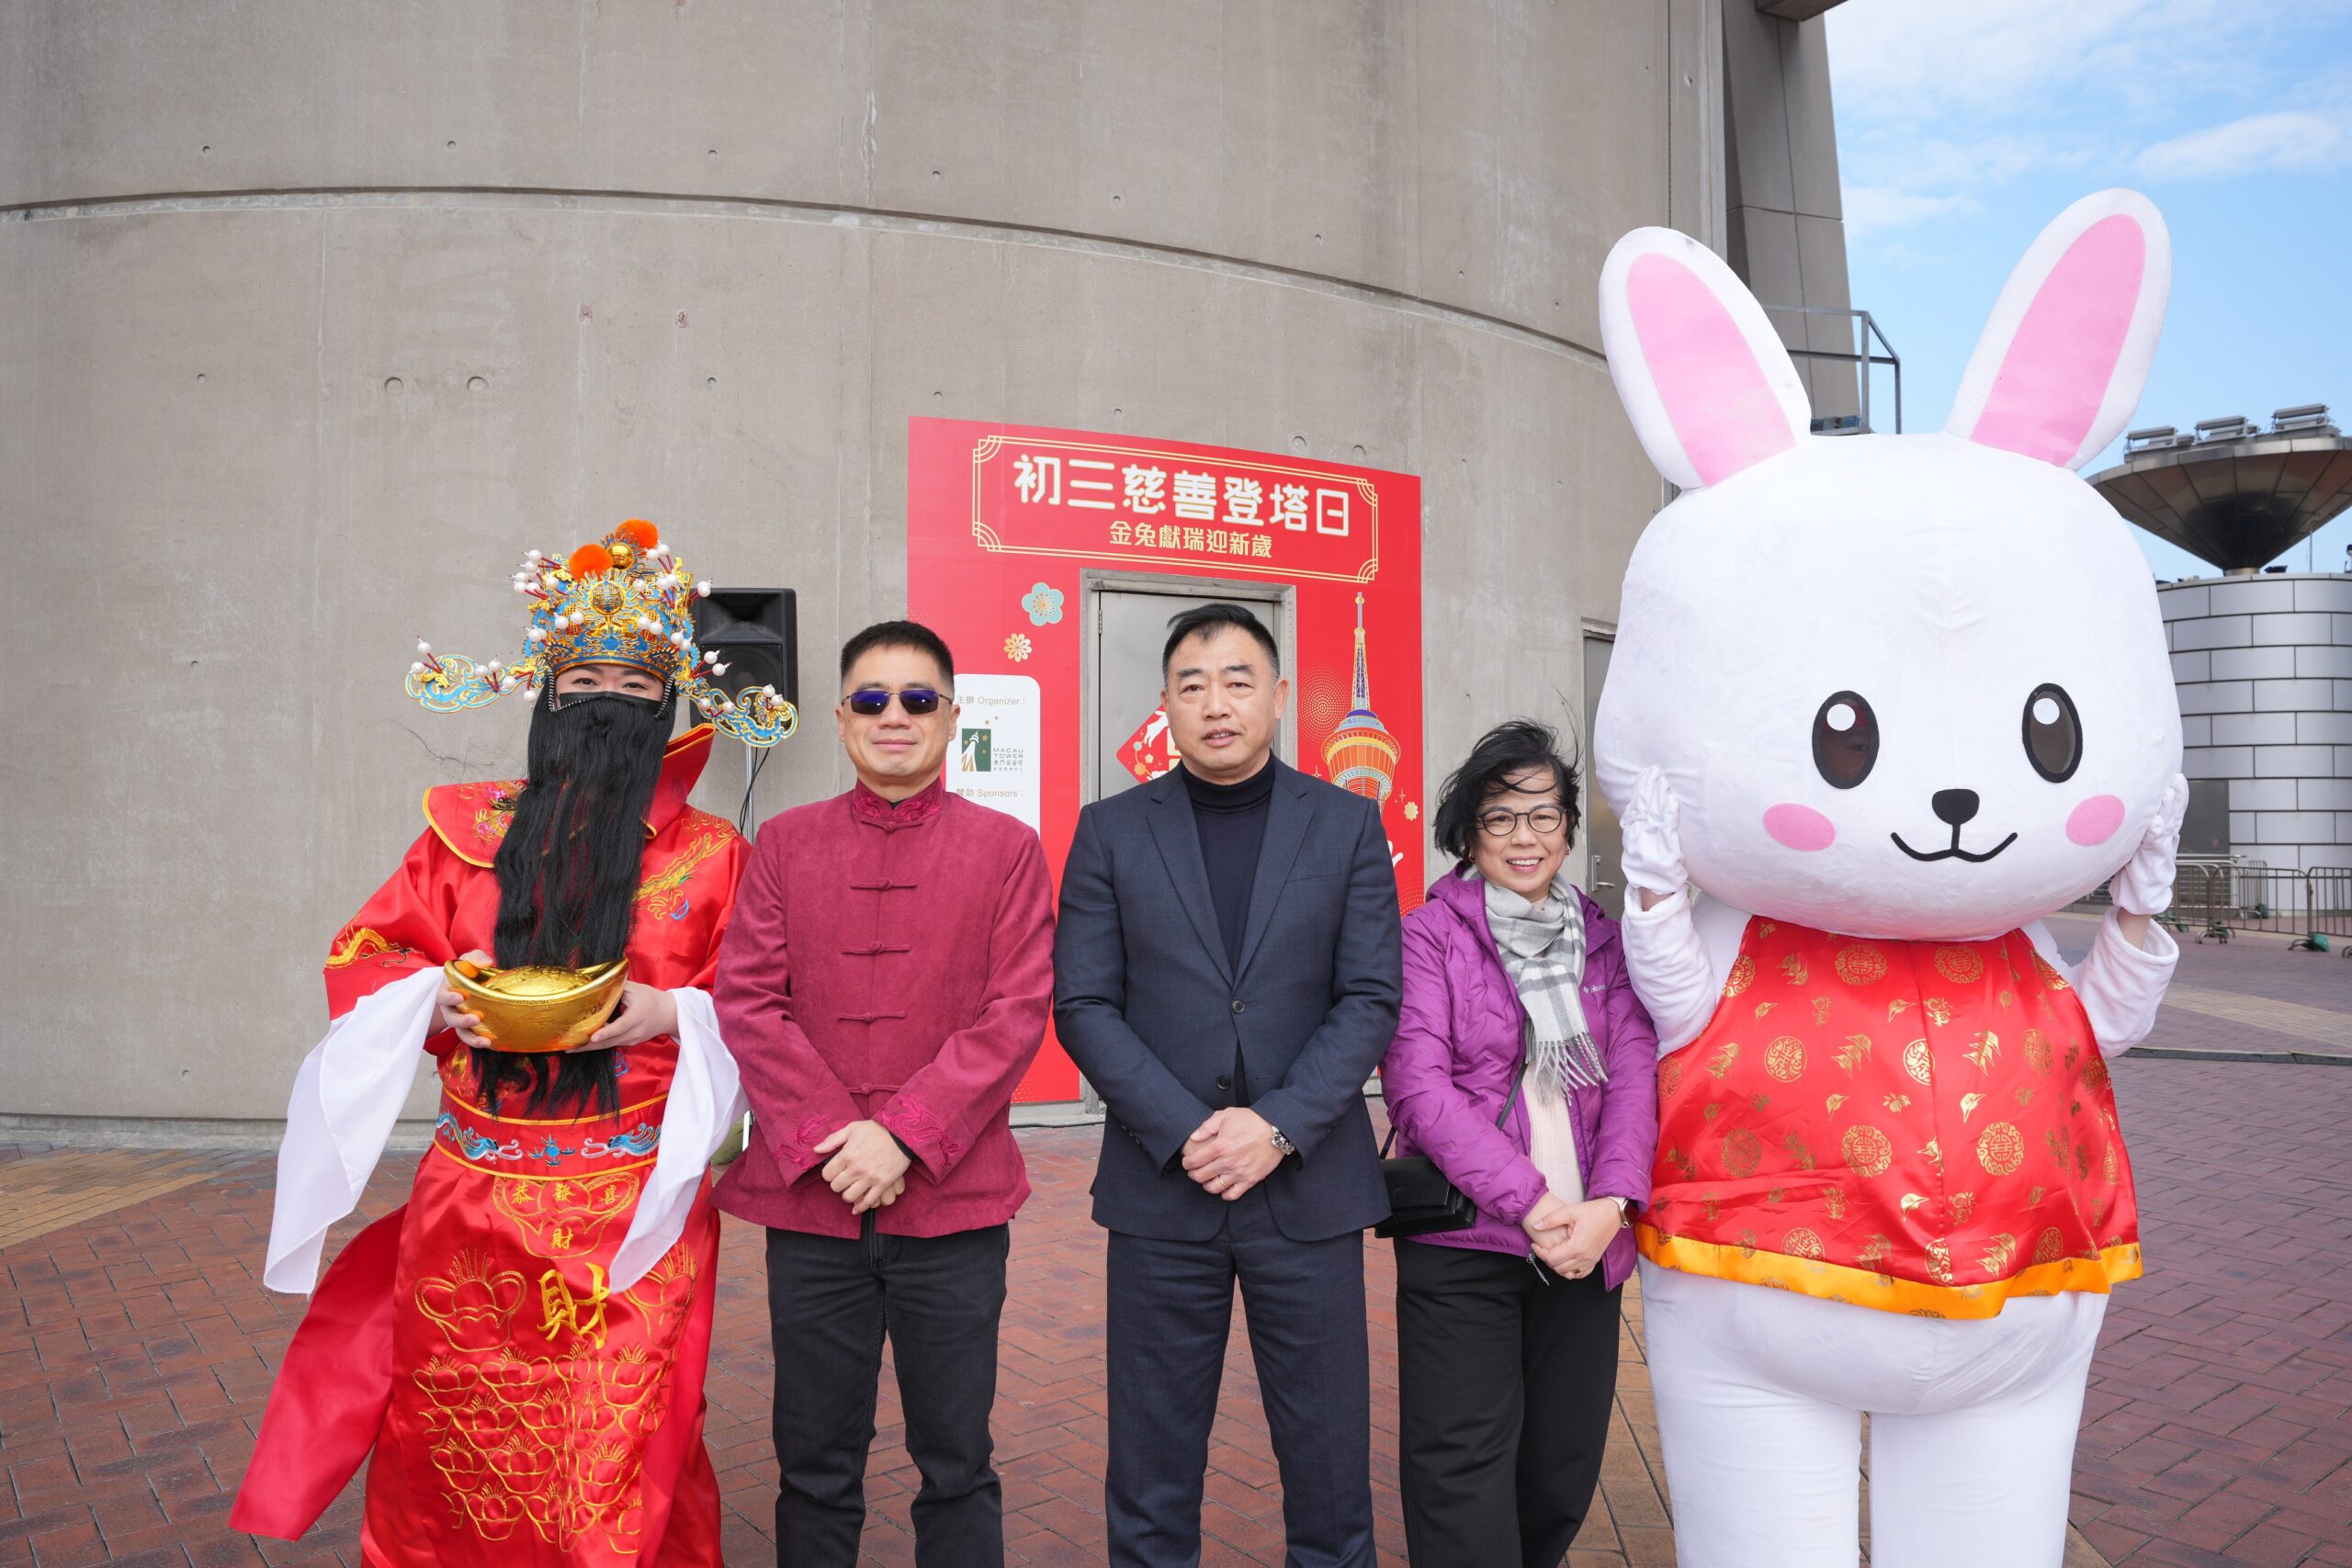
column 755, row 632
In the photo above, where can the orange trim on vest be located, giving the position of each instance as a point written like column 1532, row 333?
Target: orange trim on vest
column 1860, row 1287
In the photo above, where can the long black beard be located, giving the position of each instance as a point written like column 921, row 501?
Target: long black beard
column 567, row 873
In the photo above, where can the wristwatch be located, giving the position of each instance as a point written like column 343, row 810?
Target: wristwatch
column 1284, row 1146
column 1624, row 1211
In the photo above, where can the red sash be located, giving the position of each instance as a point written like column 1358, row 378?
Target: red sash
column 1918, row 1127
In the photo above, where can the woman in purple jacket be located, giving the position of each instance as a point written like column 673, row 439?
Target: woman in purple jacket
column 1526, row 1070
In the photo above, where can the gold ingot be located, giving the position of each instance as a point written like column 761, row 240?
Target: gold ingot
column 537, row 1007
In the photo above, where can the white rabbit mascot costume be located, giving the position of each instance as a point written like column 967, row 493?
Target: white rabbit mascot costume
column 1887, row 701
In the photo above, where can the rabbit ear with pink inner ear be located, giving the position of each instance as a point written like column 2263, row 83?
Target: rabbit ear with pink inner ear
column 2060, row 366
column 1703, row 377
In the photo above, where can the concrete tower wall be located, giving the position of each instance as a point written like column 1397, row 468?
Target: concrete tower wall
column 1785, row 228
column 316, row 313
column 2264, row 668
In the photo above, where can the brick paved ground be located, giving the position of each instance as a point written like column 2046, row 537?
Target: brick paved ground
column 2252, row 995
column 2218, row 1430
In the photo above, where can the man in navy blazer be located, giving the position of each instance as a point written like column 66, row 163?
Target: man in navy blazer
column 1227, row 976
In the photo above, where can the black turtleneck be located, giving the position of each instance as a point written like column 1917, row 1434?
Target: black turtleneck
column 1231, row 821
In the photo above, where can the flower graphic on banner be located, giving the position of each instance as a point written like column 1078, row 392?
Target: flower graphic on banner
column 1043, row 604
column 1017, row 646
column 1150, row 750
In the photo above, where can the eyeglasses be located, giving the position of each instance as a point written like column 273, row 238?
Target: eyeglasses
column 1500, row 824
column 917, row 700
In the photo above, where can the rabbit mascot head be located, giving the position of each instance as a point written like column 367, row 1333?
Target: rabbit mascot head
column 1903, row 686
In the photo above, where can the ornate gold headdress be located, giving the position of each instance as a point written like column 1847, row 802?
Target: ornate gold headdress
column 624, row 599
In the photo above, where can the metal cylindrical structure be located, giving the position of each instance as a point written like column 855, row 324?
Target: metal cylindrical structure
column 2264, row 668
column 318, row 312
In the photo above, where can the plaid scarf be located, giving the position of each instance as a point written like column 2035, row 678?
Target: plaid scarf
column 1542, row 950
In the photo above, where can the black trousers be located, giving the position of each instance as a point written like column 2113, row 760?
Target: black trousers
column 1168, row 1311
column 830, row 1302
column 1505, row 1373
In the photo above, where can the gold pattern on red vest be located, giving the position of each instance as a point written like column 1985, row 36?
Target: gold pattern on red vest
column 1918, row 1127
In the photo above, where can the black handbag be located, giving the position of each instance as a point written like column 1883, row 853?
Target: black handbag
column 1421, row 1201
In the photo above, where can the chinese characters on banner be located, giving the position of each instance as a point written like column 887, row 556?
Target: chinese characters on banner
column 1197, row 508
column 1004, row 526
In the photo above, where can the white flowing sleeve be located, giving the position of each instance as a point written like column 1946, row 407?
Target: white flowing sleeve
column 706, row 1101
column 2120, row 985
column 346, row 1097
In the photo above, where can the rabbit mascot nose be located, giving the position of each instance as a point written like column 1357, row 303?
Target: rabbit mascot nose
column 1878, row 705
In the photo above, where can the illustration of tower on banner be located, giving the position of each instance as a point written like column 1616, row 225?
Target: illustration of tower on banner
column 1360, row 756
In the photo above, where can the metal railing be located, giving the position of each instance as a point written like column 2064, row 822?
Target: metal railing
column 1863, row 327
column 2217, row 898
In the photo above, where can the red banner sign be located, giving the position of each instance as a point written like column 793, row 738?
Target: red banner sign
column 1004, row 525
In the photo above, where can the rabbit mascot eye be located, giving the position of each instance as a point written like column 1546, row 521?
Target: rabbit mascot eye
column 1887, row 701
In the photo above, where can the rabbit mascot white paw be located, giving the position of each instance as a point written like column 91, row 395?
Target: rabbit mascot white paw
column 1887, row 701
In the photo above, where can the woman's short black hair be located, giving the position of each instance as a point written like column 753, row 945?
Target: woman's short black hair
column 1510, row 747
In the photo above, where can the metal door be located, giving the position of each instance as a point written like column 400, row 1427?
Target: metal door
column 1130, row 736
column 1603, row 845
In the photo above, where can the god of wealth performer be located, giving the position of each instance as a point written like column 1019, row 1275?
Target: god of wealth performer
column 521, row 1346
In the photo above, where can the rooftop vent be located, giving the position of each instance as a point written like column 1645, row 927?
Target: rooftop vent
column 2304, row 417
column 2232, row 427
column 2156, row 438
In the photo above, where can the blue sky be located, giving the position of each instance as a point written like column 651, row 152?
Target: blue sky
column 1963, row 126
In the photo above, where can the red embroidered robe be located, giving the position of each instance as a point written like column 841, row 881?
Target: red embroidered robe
column 519, row 1411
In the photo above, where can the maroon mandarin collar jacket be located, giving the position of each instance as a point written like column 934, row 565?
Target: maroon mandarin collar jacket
column 895, row 962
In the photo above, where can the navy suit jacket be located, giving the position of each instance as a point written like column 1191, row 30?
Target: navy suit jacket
column 1147, row 1006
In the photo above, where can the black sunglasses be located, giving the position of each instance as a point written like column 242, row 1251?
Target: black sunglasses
column 916, row 700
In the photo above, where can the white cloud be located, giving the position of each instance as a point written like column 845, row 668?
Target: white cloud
column 1940, row 104
column 2288, row 139
column 1907, row 59
column 1873, row 207
column 1897, row 176
column 1912, row 60
column 1917, row 163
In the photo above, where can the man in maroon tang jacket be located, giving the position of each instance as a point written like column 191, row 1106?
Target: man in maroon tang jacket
column 884, row 986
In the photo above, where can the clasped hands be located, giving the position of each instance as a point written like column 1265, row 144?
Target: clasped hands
column 647, row 1013
column 868, row 1168
column 1231, row 1151
column 1569, row 1238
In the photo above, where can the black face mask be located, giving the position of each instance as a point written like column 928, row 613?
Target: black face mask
column 568, row 870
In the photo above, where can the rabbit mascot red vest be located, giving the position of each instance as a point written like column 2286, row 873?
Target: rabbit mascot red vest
column 1887, row 701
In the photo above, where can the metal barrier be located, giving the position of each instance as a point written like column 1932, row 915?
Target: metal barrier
column 2304, row 903
column 2330, row 901
column 2217, row 898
